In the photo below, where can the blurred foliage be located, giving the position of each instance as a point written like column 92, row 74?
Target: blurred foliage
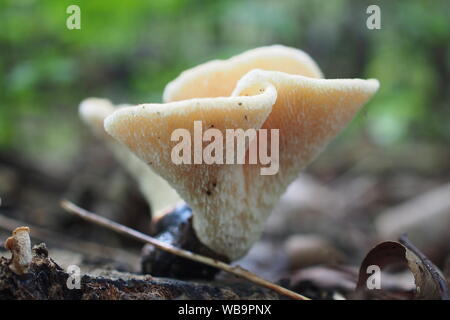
column 128, row 50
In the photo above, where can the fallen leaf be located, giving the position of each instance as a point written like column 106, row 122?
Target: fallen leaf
column 429, row 281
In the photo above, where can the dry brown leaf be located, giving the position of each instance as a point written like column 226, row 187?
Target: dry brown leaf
column 429, row 281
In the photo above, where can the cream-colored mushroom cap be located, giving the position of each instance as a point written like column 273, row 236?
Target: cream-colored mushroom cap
column 231, row 202
column 93, row 112
column 218, row 78
column 156, row 190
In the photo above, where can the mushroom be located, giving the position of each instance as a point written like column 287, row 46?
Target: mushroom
column 20, row 246
column 218, row 78
column 231, row 202
column 155, row 190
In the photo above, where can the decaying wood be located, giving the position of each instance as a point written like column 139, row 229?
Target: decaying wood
column 175, row 228
column 45, row 279
column 235, row 270
column 89, row 249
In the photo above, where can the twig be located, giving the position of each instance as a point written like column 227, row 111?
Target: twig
column 237, row 271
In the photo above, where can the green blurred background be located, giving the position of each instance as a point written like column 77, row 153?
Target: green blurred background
column 128, row 50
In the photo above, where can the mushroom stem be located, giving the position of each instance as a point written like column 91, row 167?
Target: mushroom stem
column 175, row 228
column 20, row 246
column 235, row 270
column 276, row 91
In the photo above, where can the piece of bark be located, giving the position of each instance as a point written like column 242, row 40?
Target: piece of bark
column 176, row 229
column 45, row 279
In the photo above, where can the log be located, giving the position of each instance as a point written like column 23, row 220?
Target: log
column 45, row 279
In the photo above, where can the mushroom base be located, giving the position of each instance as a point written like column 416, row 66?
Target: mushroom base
column 176, row 228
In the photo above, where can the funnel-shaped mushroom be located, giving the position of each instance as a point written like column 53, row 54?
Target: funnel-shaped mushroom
column 156, row 190
column 231, row 202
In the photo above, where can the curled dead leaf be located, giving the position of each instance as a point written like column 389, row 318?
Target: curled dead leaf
column 429, row 281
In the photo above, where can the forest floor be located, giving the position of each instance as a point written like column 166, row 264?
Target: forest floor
column 316, row 242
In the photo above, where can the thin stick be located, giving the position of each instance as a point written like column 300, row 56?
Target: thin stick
column 237, row 271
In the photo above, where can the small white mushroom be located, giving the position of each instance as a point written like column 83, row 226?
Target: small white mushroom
column 20, row 246
column 231, row 202
column 156, row 190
